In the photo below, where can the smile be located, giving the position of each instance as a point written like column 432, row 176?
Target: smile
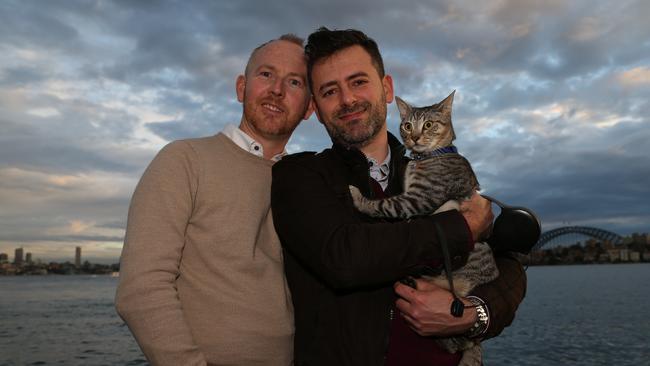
column 353, row 115
column 272, row 108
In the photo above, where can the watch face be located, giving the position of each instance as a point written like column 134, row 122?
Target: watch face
column 482, row 316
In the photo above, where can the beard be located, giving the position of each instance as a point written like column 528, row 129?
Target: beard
column 359, row 132
column 268, row 125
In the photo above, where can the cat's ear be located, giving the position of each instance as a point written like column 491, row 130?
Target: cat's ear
column 446, row 104
column 403, row 107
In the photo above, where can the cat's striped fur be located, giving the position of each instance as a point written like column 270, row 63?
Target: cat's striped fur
column 429, row 182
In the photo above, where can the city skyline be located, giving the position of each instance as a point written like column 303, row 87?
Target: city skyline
column 23, row 256
column 552, row 101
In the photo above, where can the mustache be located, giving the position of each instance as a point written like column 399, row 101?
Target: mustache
column 358, row 107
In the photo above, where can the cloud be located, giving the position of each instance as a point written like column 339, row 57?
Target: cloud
column 636, row 77
column 551, row 108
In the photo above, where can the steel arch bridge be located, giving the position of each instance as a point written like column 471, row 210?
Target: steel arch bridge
column 592, row 232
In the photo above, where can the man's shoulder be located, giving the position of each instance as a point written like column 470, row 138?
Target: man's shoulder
column 197, row 143
column 304, row 156
column 308, row 159
column 301, row 168
column 205, row 141
column 192, row 149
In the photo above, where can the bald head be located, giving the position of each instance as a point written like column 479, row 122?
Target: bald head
column 289, row 37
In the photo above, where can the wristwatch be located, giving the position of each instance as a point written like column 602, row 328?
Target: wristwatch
column 483, row 318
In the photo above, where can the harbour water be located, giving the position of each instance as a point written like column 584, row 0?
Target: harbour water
column 572, row 315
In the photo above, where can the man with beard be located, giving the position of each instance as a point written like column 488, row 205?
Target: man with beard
column 341, row 265
column 201, row 278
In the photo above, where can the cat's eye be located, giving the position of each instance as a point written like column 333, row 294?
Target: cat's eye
column 407, row 126
column 428, row 124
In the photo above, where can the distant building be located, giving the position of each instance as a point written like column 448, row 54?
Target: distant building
column 18, row 256
column 603, row 257
column 624, row 255
column 28, row 258
column 614, row 255
column 4, row 258
column 77, row 257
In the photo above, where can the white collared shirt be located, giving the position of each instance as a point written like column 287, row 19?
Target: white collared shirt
column 380, row 172
column 241, row 139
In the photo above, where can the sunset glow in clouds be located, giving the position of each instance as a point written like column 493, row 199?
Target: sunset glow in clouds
column 551, row 107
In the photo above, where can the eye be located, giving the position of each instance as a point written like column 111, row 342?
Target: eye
column 359, row 82
column 265, row 74
column 297, row 83
column 407, row 126
column 428, row 125
column 328, row 93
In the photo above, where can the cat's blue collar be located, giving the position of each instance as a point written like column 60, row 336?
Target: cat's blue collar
column 437, row 152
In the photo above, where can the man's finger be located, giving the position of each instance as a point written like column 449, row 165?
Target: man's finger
column 405, row 292
column 403, row 306
column 424, row 285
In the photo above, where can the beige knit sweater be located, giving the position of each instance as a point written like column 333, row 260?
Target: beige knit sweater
column 201, row 277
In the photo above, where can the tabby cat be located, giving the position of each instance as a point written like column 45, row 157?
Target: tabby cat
column 435, row 175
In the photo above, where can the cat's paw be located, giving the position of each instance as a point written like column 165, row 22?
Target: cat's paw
column 357, row 197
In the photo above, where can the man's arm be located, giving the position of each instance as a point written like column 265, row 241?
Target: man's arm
column 503, row 295
column 427, row 309
column 325, row 234
column 146, row 297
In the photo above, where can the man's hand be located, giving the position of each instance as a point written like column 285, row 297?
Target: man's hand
column 427, row 310
column 478, row 214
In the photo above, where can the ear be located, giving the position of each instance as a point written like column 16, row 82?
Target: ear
column 310, row 109
column 315, row 106
column 387, row 82
column 240, row 87
column 447, row 103
column 446, row 109
column 403, row 107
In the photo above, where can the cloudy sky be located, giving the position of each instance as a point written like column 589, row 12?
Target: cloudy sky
column 552, row 103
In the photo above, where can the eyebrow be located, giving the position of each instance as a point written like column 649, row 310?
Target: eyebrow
column 273, row 68
column 334, row 82
column 267, row 66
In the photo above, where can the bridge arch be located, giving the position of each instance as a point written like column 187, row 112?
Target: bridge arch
column 592, row 232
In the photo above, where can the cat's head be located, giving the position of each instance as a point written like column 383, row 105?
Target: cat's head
column 426, row 128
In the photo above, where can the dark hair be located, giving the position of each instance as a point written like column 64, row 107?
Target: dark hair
column 323, row 43
column 289, row 37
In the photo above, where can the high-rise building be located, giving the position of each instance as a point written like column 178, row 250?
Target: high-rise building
column 77, row 257
column 28, row 258
column 4, row 257
column 18, row 256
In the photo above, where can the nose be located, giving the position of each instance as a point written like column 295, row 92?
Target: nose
column 347, row 97
column 277, row 88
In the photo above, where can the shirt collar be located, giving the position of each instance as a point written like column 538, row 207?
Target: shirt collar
column 380, row 171
column 241, row 139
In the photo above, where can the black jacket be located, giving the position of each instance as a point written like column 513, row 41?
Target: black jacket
column 341, row 264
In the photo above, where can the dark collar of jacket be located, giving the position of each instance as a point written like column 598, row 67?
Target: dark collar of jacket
column 358, row 165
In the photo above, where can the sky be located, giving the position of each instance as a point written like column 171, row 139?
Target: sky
column 551, row 107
